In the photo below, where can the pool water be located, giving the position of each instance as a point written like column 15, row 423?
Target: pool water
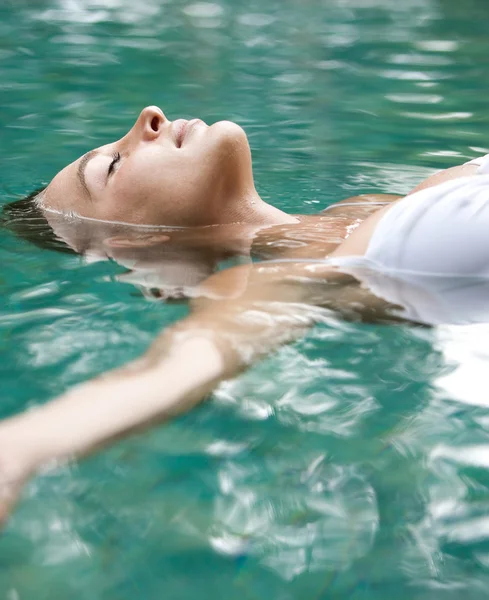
column 353, row 464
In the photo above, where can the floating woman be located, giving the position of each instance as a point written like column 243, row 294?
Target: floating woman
column 424, row 258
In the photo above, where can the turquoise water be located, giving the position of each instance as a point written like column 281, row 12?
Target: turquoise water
column 353, row 464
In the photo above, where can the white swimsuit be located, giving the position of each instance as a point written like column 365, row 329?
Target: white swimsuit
column 430, row 252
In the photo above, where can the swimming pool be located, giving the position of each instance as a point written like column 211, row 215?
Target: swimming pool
column 350, row 465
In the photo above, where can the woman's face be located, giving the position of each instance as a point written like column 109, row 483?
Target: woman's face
column 160, row 173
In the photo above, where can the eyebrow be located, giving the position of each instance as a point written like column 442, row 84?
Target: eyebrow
column 82, row 165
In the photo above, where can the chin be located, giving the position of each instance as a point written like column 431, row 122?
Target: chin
column 230, row 136
column 228, row 129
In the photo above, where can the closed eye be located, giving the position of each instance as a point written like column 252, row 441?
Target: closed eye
column 115, row 159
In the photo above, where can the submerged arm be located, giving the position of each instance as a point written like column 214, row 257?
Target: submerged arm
column 222, row 336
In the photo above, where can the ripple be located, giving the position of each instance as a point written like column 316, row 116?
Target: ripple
column 453, row 116
column 325, row 523
column 437, row 45
column 419, row 59
column 412, row 75
column 415, row 98
column 256, row 19
column 204, row 10
column 475, row 456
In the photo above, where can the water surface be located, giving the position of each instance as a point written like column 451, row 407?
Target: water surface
column 353, row 464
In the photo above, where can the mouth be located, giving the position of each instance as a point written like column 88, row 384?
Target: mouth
column 181, row 129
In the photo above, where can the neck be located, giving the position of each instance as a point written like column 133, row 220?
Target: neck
column 255, row 211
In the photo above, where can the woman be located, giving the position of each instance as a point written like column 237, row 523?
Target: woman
column 174, row 174
column 404, row 251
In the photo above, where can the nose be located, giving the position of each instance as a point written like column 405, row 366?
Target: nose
column 149, row 124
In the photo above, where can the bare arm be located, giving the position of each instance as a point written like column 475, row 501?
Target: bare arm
column 222, row 336
column 270, row 305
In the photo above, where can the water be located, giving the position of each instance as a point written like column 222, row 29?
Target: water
column 353, row 464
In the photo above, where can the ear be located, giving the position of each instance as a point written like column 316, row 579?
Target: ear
column 136, row 242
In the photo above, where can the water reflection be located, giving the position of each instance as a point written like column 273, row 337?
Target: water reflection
column 325, row 521
column 466, row 350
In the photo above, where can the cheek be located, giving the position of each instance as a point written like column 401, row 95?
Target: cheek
column 170, row 182
column 158, row 186
column 147, row 192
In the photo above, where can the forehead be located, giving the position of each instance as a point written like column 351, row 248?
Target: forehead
column 65, row 192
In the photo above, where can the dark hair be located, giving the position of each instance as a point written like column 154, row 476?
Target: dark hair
column 26, row 219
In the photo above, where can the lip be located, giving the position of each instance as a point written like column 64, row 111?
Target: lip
column 181, row 129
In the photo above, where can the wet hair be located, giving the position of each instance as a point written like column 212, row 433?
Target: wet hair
column 26, row 219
